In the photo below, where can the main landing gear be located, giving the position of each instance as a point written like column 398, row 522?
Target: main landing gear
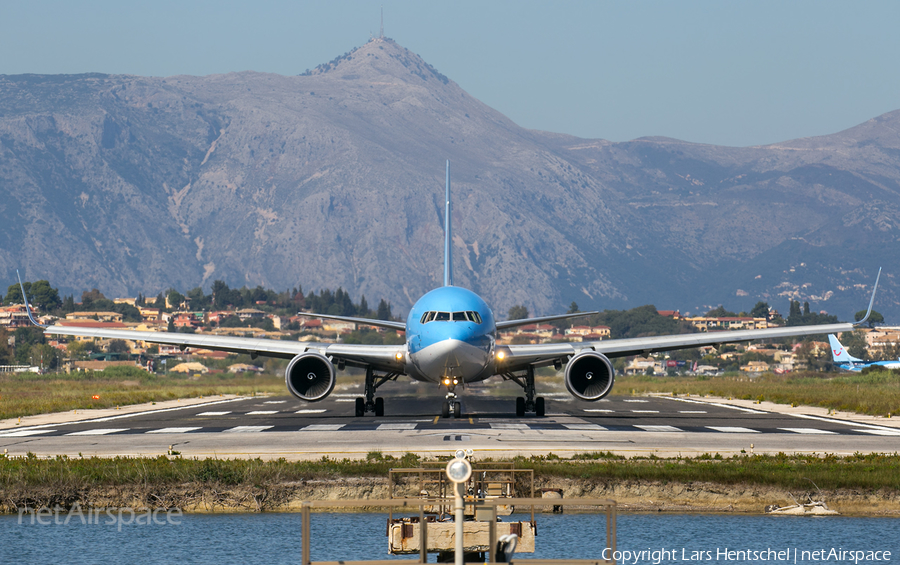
column 451, row 405
column 529, row 403
column 371, row 403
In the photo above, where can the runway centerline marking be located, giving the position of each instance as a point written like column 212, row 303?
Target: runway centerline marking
column 510, row 426
column 262, row 412
column 213, row 413
column 310, row 411
column 692, row 412
column 646, row 411
column 597, row 410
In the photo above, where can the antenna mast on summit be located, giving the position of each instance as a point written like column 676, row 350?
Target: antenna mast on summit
column 382, row 23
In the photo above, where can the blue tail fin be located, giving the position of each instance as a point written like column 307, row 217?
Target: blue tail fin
column 838, row 353
column 448, row 263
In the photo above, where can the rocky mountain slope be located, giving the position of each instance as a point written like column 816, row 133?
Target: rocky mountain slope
column 335, row 178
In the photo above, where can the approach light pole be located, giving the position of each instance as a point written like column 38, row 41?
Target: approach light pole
column 458, row 471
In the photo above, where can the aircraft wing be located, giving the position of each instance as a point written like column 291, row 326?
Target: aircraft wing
column 519, row 356
column 389, row 324
column 382, row 357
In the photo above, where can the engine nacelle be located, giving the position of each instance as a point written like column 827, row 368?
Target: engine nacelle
column 310, row 376
column 589, row 376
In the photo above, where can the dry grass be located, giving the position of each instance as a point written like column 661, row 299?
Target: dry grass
column 25, row 394
column 876, row 392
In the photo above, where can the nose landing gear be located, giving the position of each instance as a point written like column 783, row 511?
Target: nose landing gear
column 451, row 405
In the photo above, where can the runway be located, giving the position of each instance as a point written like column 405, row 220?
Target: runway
column 285, row 427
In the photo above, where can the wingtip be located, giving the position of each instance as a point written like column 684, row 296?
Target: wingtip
column 27, row 306
column 871, row 300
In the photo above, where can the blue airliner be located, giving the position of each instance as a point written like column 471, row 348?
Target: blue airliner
column 451, row 341
column 847, row 362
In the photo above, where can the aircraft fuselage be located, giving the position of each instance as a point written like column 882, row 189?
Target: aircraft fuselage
column 450, row 334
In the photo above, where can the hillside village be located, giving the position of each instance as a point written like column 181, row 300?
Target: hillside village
column 264, row 321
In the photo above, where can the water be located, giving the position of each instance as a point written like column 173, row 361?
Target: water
column 275, row 539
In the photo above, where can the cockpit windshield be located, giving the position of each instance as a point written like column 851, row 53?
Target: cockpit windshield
column 465, row 316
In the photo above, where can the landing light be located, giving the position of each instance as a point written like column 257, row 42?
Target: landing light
column 446, row 381
column 501, row 355
column 399, row 356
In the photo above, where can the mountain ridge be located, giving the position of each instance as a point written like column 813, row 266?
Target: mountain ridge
column 335, row 178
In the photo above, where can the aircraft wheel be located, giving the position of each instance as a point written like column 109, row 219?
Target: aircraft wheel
column 520, row 406
column 360, row 407
column 539, row 407
column 379, row 407
column 445, row 409
column 457, row 410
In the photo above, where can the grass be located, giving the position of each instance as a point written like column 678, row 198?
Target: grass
column 875, row 392
column 25, row 394
column 868, row 472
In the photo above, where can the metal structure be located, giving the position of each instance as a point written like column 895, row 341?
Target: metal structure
column 608, row 507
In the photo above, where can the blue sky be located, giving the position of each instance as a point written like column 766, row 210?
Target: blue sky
column 723, row 72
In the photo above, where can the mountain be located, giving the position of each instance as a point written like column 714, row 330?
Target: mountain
column 335, row 178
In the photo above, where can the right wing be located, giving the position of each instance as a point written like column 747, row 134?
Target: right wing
column 383, row 357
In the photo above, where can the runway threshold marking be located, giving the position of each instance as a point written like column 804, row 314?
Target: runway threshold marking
column 25, row 433
column 214, row 413
column 173, row 430
column 98, row 432
column 322, row 427
column 262, row 412
column 659, row 428
column 733, row 430
column 510, row 426
column 246, row 429
column 719, row 404
column 807, row 431
column 396, row 427
column 310, row 411
column 586, row 427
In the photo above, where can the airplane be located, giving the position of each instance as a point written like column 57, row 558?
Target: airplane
column 451, row 341
column 847, row 362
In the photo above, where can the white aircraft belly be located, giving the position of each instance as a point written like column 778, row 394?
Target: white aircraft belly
column 450, row 357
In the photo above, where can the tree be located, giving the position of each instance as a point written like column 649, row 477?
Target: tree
column 77, row 350
column 874, row 318
column 89, row 297
column 171, row 326
column 4, row 346
column 761, row 310
column 175, row 298
column 118, row 346
column 44, row 296
column 517, row 312
column 573, row 308
column 384, row 310
column 160, row 303
column 14, row 293
column 720, row 312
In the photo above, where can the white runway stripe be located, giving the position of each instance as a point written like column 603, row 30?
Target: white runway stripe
column 172, row 430
column 247, row 429
column 262, row 412
column 24, row 433
column 98, row 432
column 310, row 411
column 692, row 411
column 397, row 427
column 597, row 410
column 806, row 431
column 881, row 432
column 659, row 428
column 213, row 413
column 510, row 426
column 269, row 401
column 733, row 430
column 625, row 400
column 585, row 427
column 322, row 427
column 646, row 411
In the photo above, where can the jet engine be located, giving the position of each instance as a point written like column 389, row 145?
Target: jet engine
column 589, row 376
column 310, row 376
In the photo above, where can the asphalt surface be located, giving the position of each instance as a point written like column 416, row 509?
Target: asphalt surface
column 285, row 427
